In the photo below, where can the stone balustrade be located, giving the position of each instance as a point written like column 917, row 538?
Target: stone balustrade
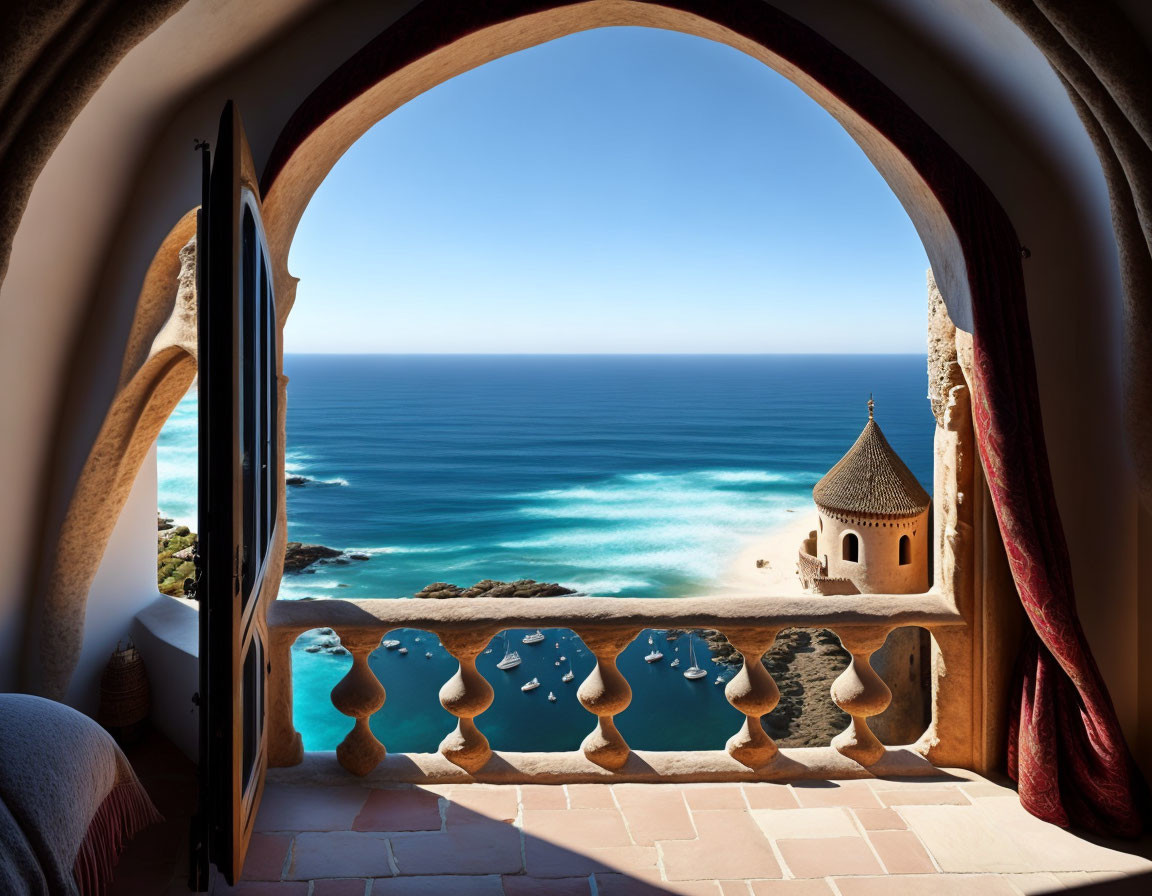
column 606, row 626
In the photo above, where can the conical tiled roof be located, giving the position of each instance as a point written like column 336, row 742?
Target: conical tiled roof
column 871, row 479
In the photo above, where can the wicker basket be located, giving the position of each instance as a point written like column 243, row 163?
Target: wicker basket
column 124, row 695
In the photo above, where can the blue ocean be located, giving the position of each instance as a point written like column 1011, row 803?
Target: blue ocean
column 637, row 475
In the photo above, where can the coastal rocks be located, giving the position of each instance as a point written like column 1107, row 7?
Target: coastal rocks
column 298, row 557
column 803, row 662
column 492, row 588
column 296, row 480
column 175, row 547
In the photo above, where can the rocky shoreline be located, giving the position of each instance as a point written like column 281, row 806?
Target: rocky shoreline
column 803, row 662
column 493, row 588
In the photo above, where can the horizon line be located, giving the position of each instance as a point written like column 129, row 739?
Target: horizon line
column 604, row 354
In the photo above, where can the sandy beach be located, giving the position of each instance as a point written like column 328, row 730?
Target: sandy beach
column 803, row 662
column 778, row 547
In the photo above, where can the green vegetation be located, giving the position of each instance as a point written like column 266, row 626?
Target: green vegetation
column 174, row 559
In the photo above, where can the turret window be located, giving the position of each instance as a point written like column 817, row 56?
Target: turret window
column 851, row 547
column 905, row 550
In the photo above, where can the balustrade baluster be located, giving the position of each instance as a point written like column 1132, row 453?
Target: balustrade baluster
column 606, row 693
column 466, row 694
column 861, row 693
column 753, row 692
column 359, row 694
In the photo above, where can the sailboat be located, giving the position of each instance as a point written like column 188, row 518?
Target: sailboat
column 535, row 638
column 569, row 675
column 693, row 672
column 551, row 697
column 511, row 657
column 531, row 685
column 676, row 661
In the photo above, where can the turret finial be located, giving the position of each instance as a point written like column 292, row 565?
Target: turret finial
column 871, row 405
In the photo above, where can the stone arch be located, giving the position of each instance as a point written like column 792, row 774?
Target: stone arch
column 158, row 369
column 905, row 550
column 850, row 547
column 970, row 242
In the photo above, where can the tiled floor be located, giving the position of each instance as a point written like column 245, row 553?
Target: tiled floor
column 955, row 836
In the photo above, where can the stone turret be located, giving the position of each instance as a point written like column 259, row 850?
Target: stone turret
column 872, row 525
column 872, row 538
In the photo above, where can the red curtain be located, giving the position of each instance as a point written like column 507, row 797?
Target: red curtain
column 1066, row 750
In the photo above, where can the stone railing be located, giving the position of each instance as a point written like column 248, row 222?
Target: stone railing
column 810, row 567
column 607, row 626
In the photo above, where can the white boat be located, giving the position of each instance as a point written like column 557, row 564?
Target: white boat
column 534, row 638
column 557, row 663
column 693, row 672
column 511, row 657
column 390, row 644
column 551, row 697
column 418, row 638
column 402, row 650
column 719, row 679
column 650, row 641
column 675, row 662
column 563, row 658
column 569, row 675
column 654, row 657
column 531, row 685
column 427, row 654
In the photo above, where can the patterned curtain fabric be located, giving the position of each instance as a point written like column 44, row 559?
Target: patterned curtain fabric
column 1066, row 749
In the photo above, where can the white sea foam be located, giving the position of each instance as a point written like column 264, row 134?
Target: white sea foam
column 412, row 549
column 606, row 586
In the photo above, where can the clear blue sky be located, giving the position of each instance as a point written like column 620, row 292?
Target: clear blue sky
column 619, row 190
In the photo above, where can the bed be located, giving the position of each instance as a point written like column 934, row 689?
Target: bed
column 69, row 800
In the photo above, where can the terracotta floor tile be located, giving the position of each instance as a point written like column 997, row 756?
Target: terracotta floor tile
column 522, row 885
column 734, row 888
column 880, row 819
column 658, row 815
column 730, row 797
column 408, row 809
column 543, row 796
column 803, row 823
column 544, row 859
column 790, row 888
column 472, row 802
column 770, row 796
column 261, row 888
column 819, row 794
column 925, row 884
column 730, row 846
column 577, row 829
column 627, row 885
column 439, row 885
column 346, row 887
column 901, row 852
column 941, row 797
column 590, row 796
column 339, row 854
column 824, row 856
column 310, row 808
column 266, row 855
column 483, row 847
column 1036, row 884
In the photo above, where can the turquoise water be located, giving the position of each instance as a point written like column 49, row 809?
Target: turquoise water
column 615, row 475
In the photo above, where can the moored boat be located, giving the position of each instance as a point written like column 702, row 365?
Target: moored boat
column 534, row 638
column 531, row 685
column 693, row 672
column 511, row 658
